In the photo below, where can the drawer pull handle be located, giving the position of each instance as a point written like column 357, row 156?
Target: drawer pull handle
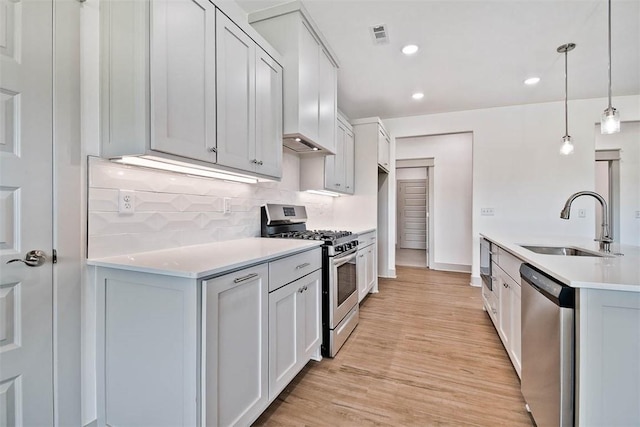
column 245, row 278
column 306, row 264
column 301, row 290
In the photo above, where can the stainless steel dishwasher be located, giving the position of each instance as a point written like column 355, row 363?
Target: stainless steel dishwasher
column 547, row 348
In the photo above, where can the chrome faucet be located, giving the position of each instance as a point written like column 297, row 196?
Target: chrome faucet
column 605, row 238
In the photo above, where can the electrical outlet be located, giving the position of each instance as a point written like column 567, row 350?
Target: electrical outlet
column 582, row 213
column 637, row 214
column 227, row 205
column 126, row 201
column 487, row 211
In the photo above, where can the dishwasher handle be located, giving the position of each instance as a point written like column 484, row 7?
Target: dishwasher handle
column 561, row 294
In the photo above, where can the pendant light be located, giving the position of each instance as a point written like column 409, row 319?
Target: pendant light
column 610, row 122
column 567, row 144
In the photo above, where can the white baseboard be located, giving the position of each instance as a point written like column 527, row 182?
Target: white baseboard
column 476, row 281
column 458, row 268
column 93, row 423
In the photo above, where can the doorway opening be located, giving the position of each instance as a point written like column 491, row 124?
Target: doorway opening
column 414, row 191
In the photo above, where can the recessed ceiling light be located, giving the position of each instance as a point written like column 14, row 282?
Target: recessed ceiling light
column 410, row 49
column 418, row 95
column 532, row 81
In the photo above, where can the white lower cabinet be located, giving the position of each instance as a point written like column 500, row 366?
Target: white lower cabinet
column 175, row 351
column 367, row 265
column 294, row 329
column 235, row 362
column 503, row 302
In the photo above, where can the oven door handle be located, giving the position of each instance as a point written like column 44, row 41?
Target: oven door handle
column 344, row 259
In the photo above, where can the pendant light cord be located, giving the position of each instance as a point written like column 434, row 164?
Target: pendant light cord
column 609, row 54
column 566, row 96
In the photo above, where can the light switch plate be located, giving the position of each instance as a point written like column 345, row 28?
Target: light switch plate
column 227, row 205
column 487, row 211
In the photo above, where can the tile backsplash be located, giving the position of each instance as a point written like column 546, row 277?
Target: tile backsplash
column 176, row 210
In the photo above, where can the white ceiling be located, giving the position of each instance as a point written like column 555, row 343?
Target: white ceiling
column 474, row 54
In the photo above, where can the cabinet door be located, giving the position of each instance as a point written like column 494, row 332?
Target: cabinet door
column 384, row 146
column 516, row 333
column 334, row 164
column 235, row 368
column 349, row 162
column 361, row 273
column 312, row 327
column 235, row 54
column 327, row 101
column 183, row 78
column 268, row 115
column 294, row 329
column 285, row 306
column 308, row 84
column 504, row 310
column 372, row 269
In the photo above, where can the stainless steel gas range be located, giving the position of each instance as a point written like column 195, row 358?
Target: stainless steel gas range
column 339, row 284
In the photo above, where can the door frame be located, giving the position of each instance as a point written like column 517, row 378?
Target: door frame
column 69, row 210
column 429, row 163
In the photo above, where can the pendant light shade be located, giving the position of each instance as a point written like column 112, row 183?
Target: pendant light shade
column 610, row 121
column 567, row 143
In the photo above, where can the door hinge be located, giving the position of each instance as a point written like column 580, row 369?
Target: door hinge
column 55, row 256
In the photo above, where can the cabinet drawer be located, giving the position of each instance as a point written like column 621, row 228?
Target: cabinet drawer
column 288, row 269
column 510, row 264
column 366, row 239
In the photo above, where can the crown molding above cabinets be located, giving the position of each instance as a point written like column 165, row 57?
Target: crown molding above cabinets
column 166, row 90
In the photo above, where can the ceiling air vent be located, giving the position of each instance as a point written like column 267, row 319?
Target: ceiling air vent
column 379, row 34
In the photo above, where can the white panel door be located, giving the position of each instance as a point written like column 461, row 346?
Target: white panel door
column 26, row 146
column 236, row 346
column 235, row 82
column 183, row 78
column 327, row 101
column 334, row 164
column 268, row 115
column 308, row 84
column 349, row 162
column 284, row 355
column 311, row 326
column 412, row 213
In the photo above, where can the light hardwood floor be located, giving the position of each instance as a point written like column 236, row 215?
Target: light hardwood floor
column 424, row 354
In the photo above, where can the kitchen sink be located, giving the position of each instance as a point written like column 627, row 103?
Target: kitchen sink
column 561, row 250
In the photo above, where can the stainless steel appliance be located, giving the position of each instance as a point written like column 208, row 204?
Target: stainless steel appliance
column 339, row 284
column 547, row 348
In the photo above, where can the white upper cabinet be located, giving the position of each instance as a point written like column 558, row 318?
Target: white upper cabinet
column 327, row 98
column 334, row 172
column 235, row 78
column 183, row 83
column 268, row 115
column 384, row 148
column 310, row 81
column 183, row 78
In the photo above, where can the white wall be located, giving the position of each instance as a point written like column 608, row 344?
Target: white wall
column 628, row 141
column 516, row 166
column 452, row 196
column 410, row 173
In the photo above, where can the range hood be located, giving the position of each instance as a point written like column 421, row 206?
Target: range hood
column 299, row 145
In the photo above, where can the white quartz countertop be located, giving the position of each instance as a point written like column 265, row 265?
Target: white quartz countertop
column 613, row 272
column 209, row 259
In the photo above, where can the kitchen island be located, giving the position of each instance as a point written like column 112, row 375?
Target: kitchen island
column 606, row 319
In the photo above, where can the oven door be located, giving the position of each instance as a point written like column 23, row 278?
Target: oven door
column 343, row 287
